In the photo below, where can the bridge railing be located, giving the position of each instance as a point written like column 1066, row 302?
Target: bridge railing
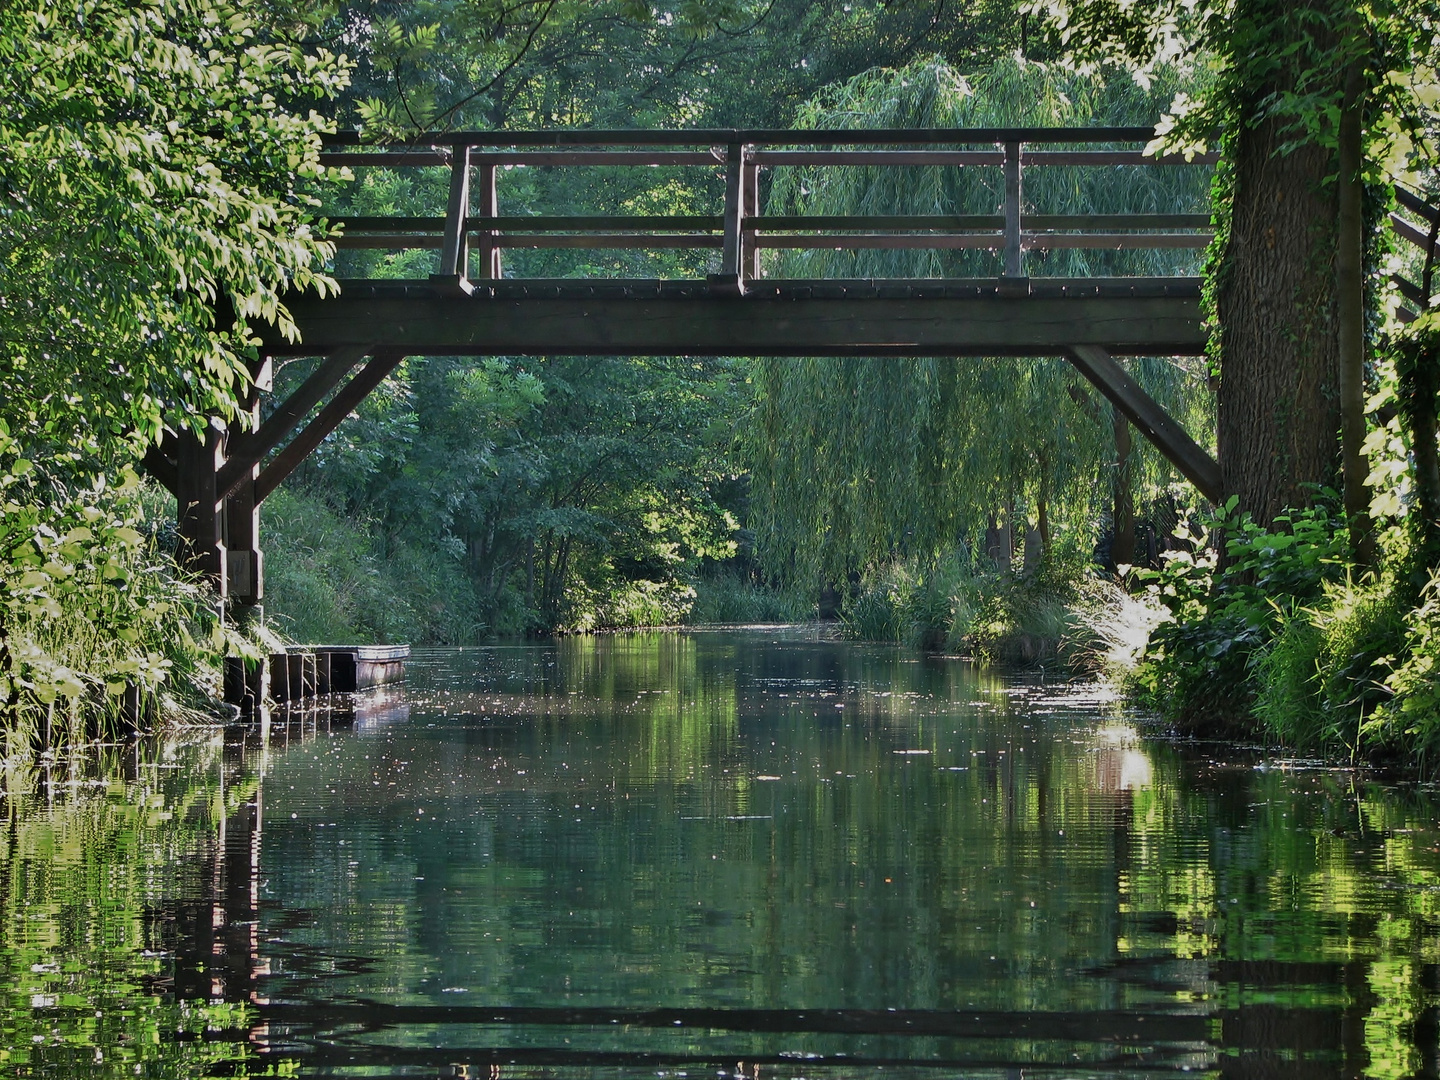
column 1425, row 236
column 473, row 235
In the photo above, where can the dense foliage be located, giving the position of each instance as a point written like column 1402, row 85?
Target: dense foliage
column 161, row 194
column 858, row 461
column 152, row 158
column 555, row 493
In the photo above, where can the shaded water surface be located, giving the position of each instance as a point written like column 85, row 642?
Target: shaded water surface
column 748, row 853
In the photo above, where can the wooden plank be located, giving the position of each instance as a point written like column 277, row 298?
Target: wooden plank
column 360, row 223
column 1114, row 157
column 749, row 208
column 396, row 242
column 339, row 407
column 1163, row 431
column 766, row 158
column 161, row 468
column 729, row 281
column 708, row 137
column 1114, row 241
column 200, row 549
column 784, row 325
column 1411, row 292
column 1416, row 205
column 489, row 246
column 1011, row 210
column 249, row 450
column 1116, row 221
column 792, row 222
column 865, row 222
column 454, row 251
column 885, row 241
column 879, row 157
column 611, row 240
column 1406, row 231
column 603, row 223
column 586, row 158
column 387, row 159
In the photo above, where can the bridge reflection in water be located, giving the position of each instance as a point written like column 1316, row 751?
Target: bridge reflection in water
column 676, row 853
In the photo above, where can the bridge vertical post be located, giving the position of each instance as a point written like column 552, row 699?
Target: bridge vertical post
column 1013, row 280
column 453, row 273
column 201, row 548
column 750, row 208
column 241, row 518
column 489, row 207
column 730, row 280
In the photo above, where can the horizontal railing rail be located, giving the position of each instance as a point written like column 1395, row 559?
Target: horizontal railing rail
column 1424, row 236
column 763, row 136
column 474, row 226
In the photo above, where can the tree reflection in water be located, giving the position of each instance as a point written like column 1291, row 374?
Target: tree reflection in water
column 667, row 852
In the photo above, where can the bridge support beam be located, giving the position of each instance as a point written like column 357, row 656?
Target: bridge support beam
column 201, row 523
column 221, row 480
column 1132, row 402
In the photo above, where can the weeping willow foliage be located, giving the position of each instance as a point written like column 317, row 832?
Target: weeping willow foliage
column 859, row 460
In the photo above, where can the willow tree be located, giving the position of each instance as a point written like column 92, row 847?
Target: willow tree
column 859, row 460
column 1311, row 98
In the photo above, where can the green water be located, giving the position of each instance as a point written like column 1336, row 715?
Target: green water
column 749, row 853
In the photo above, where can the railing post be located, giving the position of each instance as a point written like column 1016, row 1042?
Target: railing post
column 1013, row 281
column 454, row 270
column 489, row 207
column 729, row 281
column 750, row 207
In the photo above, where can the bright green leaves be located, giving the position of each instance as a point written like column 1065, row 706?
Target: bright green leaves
column 87, row 603
column 1277, row 61
column 154, row 160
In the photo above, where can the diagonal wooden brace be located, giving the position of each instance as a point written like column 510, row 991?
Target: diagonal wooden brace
column 1163, row 431
column 247, row 451
column 329, row 418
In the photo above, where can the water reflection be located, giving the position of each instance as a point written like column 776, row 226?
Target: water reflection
column 666, row 853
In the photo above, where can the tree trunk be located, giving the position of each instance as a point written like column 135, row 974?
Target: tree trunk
column 1350, row 292
column 1122, row 547
column 1275, row 300
column 1419, row 371
column 1042, row 505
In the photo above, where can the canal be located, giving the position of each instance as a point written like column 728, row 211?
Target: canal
column 753, row 853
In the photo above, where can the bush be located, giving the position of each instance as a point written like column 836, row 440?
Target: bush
column 93, row 612
column 623, row 605
column 1410, row 721
column 1198, row 664
column 929, row 607
column 729, row 597
column 326, row 581
column 1008, row 618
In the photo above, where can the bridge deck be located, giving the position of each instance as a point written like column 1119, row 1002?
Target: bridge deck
column 1135, row 316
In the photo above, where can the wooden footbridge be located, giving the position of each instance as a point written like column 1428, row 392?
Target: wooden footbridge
column 470, row 306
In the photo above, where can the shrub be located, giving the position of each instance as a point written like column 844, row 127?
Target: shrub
column 1197, row 667
column 93, row 612
column 730, row 597
column 326, row 581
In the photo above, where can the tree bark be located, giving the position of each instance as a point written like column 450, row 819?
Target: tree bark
column 1122, row 547
column 1275, row 300
column 1350, row 301
column 1419, row 371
